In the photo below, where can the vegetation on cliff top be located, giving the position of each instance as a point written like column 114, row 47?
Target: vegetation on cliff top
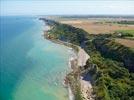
column 110, row 49
column 112, row 79
column 124, row 34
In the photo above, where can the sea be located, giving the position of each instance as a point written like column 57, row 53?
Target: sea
column 31, row 67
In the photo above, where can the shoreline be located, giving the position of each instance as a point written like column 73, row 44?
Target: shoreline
column 71, row 46
column 76, row 62
column 98, row 65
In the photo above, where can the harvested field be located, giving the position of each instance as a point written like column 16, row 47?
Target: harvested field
column 97, row 26
column 126, row 42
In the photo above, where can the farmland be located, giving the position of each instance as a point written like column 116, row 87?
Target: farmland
column 97, row 26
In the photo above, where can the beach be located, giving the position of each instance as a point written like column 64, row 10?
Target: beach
column 77, row 59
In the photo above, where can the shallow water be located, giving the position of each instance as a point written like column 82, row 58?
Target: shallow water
column 32, row 68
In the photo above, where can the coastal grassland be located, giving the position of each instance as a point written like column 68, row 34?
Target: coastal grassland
column 112, row 73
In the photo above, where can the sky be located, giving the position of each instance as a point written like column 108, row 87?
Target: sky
column 67, row 7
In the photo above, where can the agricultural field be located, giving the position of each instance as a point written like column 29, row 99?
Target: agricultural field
column 126, row 42
column 97, row 26
column 123, row 33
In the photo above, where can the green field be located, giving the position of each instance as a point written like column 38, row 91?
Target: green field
column 125, row 33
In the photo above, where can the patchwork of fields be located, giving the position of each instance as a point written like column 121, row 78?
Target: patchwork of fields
column 97, row 26
column 104, row 26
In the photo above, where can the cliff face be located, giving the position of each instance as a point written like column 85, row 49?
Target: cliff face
column 111, row 49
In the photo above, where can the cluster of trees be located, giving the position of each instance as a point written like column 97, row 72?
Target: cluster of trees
column 112, row 80
column 49, row 22
column 111, row 49
column 126, row 22
column 69, row 33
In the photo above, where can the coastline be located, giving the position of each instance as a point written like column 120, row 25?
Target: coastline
column 80, row 59
column 75, row 49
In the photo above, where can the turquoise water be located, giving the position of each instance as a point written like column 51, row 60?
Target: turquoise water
column 31, row 67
